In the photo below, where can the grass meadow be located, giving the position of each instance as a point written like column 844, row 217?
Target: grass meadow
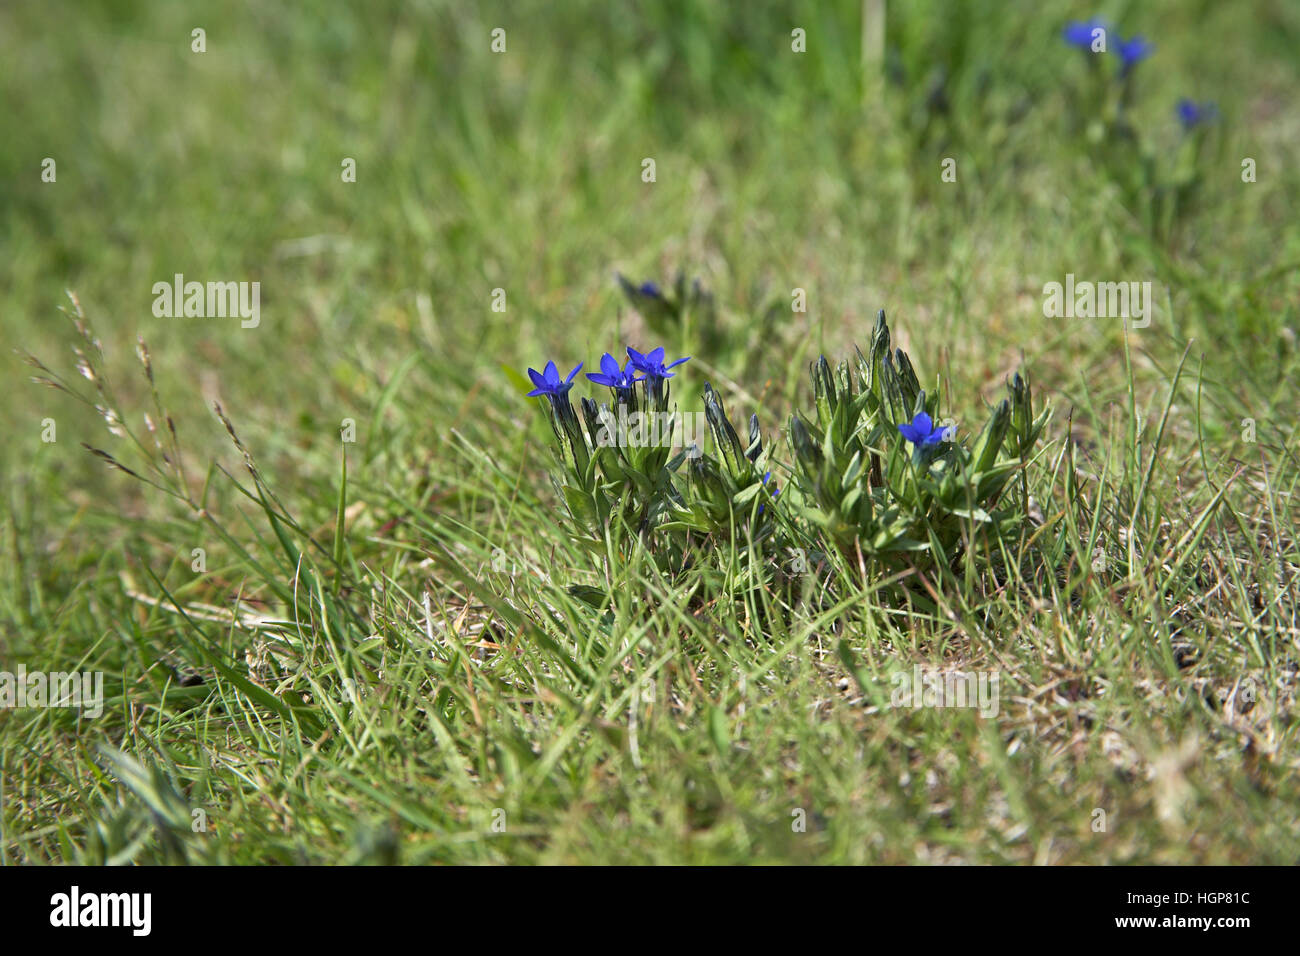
column 344, row 614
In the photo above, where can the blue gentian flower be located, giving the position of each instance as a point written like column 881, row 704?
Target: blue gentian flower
column 1080, row 34
column 613, row 376
column 1132, row 51
column 923, row 432
column 650, row 289
column 653, row 364
column 548, row 381
column 1192, row 114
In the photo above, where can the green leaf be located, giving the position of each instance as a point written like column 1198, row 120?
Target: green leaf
column 522, row 384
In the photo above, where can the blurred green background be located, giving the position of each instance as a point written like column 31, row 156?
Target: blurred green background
column 522, row 170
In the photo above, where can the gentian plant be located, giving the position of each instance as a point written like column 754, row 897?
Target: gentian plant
column 1100, row 102
column 618, row 475
column 883, row 480
column 1101, row 108
column 682, row 312
column 876, row 475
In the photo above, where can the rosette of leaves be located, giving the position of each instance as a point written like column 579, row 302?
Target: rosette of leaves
column 577, row 482
column 899, row 500
column 732, row 491
column 617, row 486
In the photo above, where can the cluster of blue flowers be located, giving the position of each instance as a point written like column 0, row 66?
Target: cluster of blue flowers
column 1086, row 34
column 650, row 365
column 596, row 475
column 615, row 482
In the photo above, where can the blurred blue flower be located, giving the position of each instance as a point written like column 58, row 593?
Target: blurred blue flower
column 613, row 376
column 653, row 364
column 1133, row 51
column 923, row 432
column 548, row 381
column 1079, row 34
column 648, row 289
column 1192, row 114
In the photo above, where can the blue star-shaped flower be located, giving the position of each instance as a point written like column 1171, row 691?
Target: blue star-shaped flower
column 613, row 376
column 1080, row 34
column 1132, row 51
column 923, row 432
column 652, row 365
column 548, row 381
